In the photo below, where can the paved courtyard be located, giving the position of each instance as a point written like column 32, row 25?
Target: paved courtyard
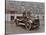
column 11, row 28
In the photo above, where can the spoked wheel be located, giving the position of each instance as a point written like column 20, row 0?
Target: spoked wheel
column 17, row 23
column 28, row 26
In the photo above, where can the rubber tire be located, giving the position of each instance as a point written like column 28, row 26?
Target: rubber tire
column 17, row 23
column 29, row 26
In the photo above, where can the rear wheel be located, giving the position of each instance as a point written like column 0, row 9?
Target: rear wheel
column 17, row 23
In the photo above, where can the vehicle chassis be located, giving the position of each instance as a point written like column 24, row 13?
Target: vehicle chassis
column 28, row 24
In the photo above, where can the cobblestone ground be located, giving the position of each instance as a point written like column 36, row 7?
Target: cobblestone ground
column 11, row 28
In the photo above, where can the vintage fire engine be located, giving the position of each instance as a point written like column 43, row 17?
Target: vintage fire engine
column 28, row 21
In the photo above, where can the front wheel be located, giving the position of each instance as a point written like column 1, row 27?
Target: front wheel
column 28, row 26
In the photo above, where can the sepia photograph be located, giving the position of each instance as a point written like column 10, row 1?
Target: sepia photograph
column 24, row 17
